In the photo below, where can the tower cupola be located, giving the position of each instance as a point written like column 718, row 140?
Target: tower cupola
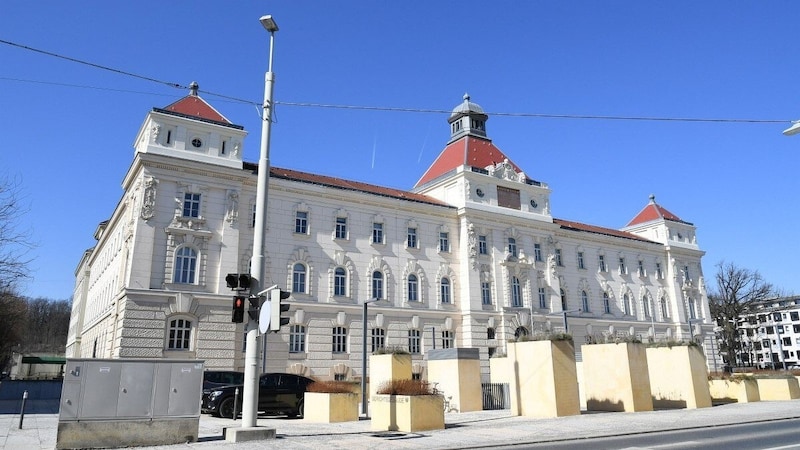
column 467, row 119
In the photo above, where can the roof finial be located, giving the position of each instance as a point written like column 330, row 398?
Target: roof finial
column 652, row 198
column 193, row 87
column 466, row 97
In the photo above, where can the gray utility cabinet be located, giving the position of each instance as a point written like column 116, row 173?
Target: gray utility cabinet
column 110, row 394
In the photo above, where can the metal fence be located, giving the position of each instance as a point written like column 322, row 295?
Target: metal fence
column 495, row 396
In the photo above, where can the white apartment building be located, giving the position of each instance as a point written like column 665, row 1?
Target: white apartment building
column 470, row 257
column 770, row 334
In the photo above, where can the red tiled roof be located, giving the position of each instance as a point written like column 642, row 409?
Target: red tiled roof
column 653, row 211
column 468, row 150
column 577, row 226
column 339, row 183
column 194, row 106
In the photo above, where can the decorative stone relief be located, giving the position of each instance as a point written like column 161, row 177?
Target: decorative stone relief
column 155, row 131
column 472, row 245
column 232, row 211
column 149, row 199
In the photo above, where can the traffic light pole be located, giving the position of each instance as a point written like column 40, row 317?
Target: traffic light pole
column 250, row 395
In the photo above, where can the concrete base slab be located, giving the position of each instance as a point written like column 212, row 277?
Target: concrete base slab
column 245, row 434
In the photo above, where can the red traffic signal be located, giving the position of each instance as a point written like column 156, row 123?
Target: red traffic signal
column 237, row 311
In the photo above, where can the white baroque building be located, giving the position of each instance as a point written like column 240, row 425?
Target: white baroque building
column 470, row 257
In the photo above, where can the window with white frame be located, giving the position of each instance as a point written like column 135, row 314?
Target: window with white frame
column 340, row 282
column 626, row 304
column 411, row 238
column 179, row 334
column 542, row 298
column 191, row 204
column 486, row 293
column 378, row 339
column 585, row 301
column 377, row 233
column 512, row 247
column 341, row 228
column 444, row 241
column 692, row 309
column 414, row 342
column 664, row 309
column 297, row 339
column 622, row 268
column 301, row 222
column 601, row 263
column 606, row 303
column 537, row 252
column 640, row 270
column 377, row 284
column 516, row 292
column 559, row 260
column 448, row 339
column 444, row 286
column 581, row 264
column 659, row 273
column 646, row 306
column 299, row 278
column 413, row 288
column 339, row 340
column 563, row 300
column 482, row 247
column 185, row 266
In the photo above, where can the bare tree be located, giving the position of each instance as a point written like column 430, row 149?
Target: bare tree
column 47, row 323
column 15, row 243
column 13, row 312
column 736, row 291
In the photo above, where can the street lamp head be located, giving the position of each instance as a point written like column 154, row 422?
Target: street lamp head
column 269, row 23
column 792, row 130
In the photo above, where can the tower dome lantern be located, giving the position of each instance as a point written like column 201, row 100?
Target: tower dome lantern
column 467, row 118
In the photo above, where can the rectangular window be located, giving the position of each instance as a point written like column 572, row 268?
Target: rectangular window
column 253, row 222
column 377, row 233
column 601, row 262
column 414, row 341
column 444, row 242
column 339, row 336
column 581, row 264
column 622, row 269
column 297, row 339
column 341, row 228
column 448, row 339
column 191, row 205
column 486, row 293
column 559, row 261
column 686, row 273
column 482, row 250
column 542, row 298
column 411, row 238
column 508, row 198
column 794, row 316
column 537, row 252
column 378, row 339
column 659, row 273
column 641, row 268
column 301, row 222
column 180, row 332
column 222, row 150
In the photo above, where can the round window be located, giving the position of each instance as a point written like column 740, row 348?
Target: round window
column 197, row 143
column 479, row 192
column 534, row 204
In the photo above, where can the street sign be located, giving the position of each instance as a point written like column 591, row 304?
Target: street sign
column 263, row 317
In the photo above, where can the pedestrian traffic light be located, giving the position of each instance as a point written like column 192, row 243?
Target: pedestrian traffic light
column 238, row 281
column 237, row 313
column 275, row 319
column 255, row 306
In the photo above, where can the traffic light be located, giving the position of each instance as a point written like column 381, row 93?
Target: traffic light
column 237, row 312
column 275, row 319
column 238, row 281
column 255, row 305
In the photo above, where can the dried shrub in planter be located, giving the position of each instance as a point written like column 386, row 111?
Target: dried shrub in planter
column 331, row 387
column 406, row 387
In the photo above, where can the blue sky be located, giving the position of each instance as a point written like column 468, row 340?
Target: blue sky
column 68, row 128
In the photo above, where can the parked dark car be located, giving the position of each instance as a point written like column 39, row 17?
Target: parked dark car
column 217, row 378
column 278, row 393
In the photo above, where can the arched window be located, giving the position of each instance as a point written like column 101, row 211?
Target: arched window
column 299, row 278
column 606, row 303
column 444, row 287
column 646, row 306
column 377, row 284
column 516, row 292
column 340, row 282
column 664, row 310
column 584, row 301
column 563, row 300
column 626, row 304
column 179, row 334
column 185, row 265
column 413, row 288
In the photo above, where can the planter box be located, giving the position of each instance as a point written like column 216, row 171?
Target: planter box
column 388, row 367
column 615, row 377
column 544, row 379
column 458, row 374
column 678, row 377
column 730, row 391
column 330, row 408
column 408, row 413
column 499, row 369
column 778, row 388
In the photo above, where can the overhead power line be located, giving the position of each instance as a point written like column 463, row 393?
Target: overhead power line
column 371, row 108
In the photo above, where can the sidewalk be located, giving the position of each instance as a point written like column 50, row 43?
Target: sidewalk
column 463, row 430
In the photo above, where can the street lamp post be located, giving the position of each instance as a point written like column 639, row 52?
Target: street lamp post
column 364, row 357
column 250, row 394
